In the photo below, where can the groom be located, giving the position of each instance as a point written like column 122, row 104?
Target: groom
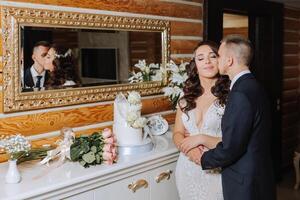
column 244, row 153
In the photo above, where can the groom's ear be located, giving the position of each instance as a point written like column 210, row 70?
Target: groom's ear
column 229, row 60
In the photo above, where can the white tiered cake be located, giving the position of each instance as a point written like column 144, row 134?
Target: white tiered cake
column 124, row 113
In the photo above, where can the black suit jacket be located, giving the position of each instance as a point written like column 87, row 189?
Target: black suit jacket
column 244, row 153
column 28, row 80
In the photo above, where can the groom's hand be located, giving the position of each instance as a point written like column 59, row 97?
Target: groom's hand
column 202, row 149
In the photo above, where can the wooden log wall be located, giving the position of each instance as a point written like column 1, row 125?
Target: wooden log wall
column 186, row 32
column 291, row 86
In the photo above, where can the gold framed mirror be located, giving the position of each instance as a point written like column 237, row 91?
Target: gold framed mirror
column 91, row 39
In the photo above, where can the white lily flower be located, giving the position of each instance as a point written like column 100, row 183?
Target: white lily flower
column 171, row 66
column 178, row 79
column 153, row 66
column 159, row 74
column 141, row 65
column 169, row 91
column 177, row 91
column 182, row 66
column 136, row 77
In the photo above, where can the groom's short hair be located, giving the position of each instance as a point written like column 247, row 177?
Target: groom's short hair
column 241, row 47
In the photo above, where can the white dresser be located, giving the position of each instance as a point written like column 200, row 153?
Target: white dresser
column 148, row 176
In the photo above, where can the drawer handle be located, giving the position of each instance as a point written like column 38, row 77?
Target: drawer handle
column 164, row 175
column 138, row 184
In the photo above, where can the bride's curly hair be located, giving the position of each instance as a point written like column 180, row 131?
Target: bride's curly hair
column 192, row 88
column 65, row 68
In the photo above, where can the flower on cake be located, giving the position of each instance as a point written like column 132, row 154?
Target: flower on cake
column 16, row 146
column 134, row 98
column 140, row 122
column 133, row 116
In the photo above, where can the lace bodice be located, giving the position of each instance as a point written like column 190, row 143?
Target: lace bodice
column 192, row 182
column 211, row 124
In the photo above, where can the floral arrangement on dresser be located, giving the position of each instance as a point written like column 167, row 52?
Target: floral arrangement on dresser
column 16, row 146
column 177, row 76
column 95, row 149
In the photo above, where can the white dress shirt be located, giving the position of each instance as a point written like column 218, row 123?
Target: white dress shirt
column 236, row 77
column 34, row 74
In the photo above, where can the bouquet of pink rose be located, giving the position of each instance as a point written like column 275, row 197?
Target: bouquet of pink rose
column 95, row 149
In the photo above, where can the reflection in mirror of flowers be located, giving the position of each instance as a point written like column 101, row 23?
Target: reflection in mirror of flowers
column 151, row 72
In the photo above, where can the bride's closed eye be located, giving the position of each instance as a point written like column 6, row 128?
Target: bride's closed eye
column 213, row 55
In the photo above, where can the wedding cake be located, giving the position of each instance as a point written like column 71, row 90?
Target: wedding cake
column 128, row 123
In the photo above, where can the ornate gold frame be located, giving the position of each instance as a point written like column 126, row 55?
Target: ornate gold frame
column 13, row 18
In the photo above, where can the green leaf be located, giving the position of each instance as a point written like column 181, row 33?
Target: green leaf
column 88, row 149
column 94, row 149
column 75, row 152
column 89, row 157
column 98, row 159
column 79, row 147
column 174, row 101
column 82, row 162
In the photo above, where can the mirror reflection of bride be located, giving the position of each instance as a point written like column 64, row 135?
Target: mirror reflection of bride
column 60, row 62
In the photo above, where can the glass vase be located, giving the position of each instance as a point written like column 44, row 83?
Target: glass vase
column 13, row 174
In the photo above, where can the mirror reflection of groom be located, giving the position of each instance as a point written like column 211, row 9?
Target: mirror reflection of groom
column 35, row 76
column 244, row 153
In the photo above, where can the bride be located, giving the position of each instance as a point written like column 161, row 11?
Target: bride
column 198, row 120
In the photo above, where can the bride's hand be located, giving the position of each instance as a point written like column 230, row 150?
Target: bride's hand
column 195, row 155
column 190, row 142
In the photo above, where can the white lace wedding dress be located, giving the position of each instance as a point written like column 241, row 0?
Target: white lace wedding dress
column 192, row 182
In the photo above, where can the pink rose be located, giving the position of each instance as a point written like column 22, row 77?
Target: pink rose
column 107, row 156
column 107, row 147
column 115, row 158
column 114, row 153
column 108, row 162
column 106, row 133
column 109, row 140
column 114, row 150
